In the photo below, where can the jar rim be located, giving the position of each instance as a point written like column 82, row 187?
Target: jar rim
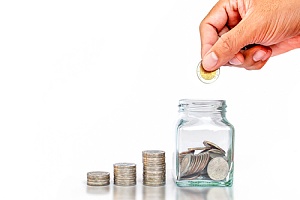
column 200, row 101
column 202, row 105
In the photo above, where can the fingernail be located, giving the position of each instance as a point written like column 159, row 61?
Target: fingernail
column 210, row 60
column 259, row 55
column 267, row 56
column 235, row 61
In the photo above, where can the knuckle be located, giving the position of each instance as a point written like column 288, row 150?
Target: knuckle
column 227, row 43
column 256, row 66
column 259, row 66
column 201, row 25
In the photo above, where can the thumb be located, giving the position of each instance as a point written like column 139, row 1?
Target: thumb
column 227, row 46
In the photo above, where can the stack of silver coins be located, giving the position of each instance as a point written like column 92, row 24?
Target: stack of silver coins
column 154, row 168
column 98, row 178
column 125, row 174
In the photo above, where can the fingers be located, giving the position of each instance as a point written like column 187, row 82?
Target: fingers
column 224, row 49
column 254, row 58
column 286, row 45
column 237, row 60
column 210, row 27
column 224, row 33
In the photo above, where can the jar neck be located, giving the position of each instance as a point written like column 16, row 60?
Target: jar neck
column 203, row 107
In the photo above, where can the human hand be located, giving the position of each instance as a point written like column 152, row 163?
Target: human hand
column 272, row 25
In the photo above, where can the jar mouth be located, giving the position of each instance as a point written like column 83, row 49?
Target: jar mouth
column 201, row 105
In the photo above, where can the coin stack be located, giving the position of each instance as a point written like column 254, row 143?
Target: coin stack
column 98, row 178
column 125, row 174
column 154, row 168
column 211, row 161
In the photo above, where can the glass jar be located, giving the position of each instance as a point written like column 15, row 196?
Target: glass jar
column 204, row 144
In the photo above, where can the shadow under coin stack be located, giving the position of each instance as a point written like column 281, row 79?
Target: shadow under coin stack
column 98, row 178
column 154, row 168
column 125, row 174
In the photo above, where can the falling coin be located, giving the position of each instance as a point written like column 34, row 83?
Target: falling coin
column 206, row 76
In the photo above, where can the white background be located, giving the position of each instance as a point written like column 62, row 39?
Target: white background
column 85, row 84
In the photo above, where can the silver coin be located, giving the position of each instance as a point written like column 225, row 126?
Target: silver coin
column 185, row 164
column 216, row 153
column 149, row 159
column 192, row 165
column 98, row 183
column 191, row 176
column 218, row 168
column 97, row 175
column 154, row 163
column 187, row 152
column 120, row 165
column 154, row 184
column 184, row 153
column 125, row 183
column 153, row 153
column 213, row 145
column 104, row 183
column 197, row 148
column 204, row 161
column 154, row 178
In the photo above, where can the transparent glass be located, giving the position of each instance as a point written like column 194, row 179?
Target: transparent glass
column 204, row 144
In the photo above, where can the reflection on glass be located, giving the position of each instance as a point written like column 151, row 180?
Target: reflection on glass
column 214, row 193
column 154, row 193
column 124, row 192
column 97, row 189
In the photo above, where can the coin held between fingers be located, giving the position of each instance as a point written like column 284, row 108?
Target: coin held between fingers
column 206, row 76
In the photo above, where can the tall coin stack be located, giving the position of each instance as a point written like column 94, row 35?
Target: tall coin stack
column 154, row 168
column 125, row 174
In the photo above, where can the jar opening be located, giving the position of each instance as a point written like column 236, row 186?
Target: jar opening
column 202, row 105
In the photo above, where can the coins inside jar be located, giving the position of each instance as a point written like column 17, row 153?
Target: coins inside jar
column 210, row 163
column 207, row 76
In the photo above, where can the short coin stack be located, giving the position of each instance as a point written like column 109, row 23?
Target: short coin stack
column 125, row 174
column 98, row 178
column 154, row 168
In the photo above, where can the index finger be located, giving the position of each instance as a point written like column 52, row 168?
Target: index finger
column 211, row 26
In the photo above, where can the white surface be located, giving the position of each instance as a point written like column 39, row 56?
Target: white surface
column 85, row 84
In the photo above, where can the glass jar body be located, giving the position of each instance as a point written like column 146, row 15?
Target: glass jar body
column 204, row 144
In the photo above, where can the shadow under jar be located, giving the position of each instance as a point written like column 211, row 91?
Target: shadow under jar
column 204, row 144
